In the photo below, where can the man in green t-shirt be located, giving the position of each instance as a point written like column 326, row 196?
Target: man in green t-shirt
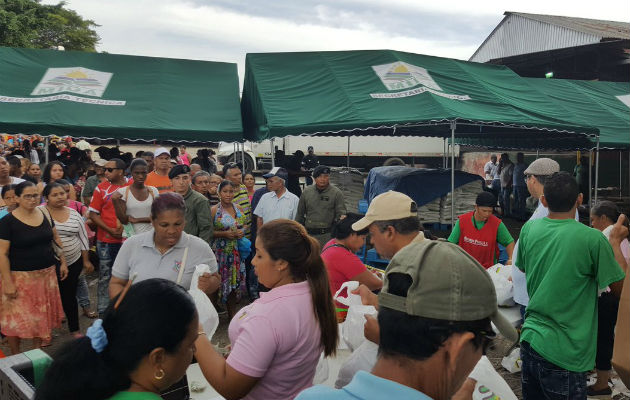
column 479, row 232
column 566, row 263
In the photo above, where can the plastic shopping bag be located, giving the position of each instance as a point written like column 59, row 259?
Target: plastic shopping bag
column 503, row 285
column 352, row 332
column 362, row 359
column 350, row 299
column 208, row 316
column 321, row 371
column 490, row 385
column 512, row 362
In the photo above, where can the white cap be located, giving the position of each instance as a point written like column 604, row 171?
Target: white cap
column 159, row 151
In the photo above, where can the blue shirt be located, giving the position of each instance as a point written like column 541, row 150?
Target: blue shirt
column 364, row 386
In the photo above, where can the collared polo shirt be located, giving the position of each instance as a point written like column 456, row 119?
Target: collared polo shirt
column 139, row 254
column 277, row 339
column 272, row 207
column 364, row 386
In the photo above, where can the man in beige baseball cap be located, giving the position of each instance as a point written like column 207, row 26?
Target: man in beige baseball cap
column 392, row 220
column 436, row 311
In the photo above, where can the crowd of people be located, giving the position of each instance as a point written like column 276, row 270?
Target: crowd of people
column 154, row 217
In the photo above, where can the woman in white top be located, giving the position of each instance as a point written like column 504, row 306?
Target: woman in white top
column 603, row 216
column 133, row 203
column 71, row 229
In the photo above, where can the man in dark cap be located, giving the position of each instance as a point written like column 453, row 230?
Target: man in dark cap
column 320, row 206
column 198, row 218
column 479, row 232
column 310, row 162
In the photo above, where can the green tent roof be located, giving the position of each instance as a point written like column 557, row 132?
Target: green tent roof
column 595, row 103
column 385, row 92
column 589, row 102
column 118, row 96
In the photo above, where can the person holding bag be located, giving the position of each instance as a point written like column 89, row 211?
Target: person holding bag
column 71, row 228
column 31, row 306
column 278, row 339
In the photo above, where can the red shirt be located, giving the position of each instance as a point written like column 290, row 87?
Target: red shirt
column 342, row 265
column 102, row 205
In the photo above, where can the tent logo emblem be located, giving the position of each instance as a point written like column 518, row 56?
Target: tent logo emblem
column 400, row 75
column 77, row 80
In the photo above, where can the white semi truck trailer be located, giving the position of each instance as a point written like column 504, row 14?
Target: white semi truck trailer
column 359, row 151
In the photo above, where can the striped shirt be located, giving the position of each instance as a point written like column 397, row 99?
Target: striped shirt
column 242, row 199
column 73, row 236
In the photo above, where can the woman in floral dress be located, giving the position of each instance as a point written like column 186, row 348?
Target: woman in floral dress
column 229, row 227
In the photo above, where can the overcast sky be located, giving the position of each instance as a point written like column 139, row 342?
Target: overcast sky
column 225, row 30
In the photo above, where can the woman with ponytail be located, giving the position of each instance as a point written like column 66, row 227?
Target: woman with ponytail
column 129, row 354
column 277, row 340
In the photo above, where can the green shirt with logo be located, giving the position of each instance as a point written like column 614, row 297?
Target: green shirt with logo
column 135, row 396
column 565, row 264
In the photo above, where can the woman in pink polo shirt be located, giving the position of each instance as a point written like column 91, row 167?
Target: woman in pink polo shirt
column 277, row 340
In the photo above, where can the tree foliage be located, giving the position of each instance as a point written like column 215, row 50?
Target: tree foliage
column 27, row 23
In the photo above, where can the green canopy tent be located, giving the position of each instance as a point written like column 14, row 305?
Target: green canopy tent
column 392, row 93
column 593, row 103
column 589, row 102
column 98, row 95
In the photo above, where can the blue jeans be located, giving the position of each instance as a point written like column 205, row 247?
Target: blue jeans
column 496, row 188
column 542, row 380
column 520, row 196
column 83, row 293
column 107, row 253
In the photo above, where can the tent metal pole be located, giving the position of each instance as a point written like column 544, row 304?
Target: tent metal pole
column 47, row 150
column 348, row 155
column 453, row 125
column 243, row 154
column 596, row 170
column 620, row 162
column 273, row 155
column 537, row 153
column 590, row 180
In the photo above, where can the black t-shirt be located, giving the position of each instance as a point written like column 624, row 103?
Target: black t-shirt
column 31, row 247
column 293, row 165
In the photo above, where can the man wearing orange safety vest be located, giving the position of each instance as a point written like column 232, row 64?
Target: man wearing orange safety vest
column 479, row 232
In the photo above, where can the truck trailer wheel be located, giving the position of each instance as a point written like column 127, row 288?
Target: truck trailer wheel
column 249, row 162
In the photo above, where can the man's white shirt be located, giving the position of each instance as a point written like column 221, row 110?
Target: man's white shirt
column 271, row 207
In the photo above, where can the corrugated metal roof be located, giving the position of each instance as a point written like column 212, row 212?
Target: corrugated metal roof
column 595, row 27
column 522, row 33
